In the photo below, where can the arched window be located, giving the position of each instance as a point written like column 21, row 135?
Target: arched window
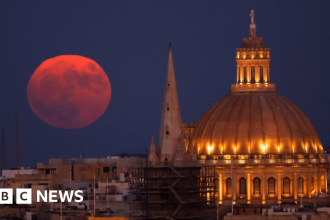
column 261, row 74
column 271, row 186
column 242, row 186
column 286, row 185
column 228, row 186
column 300, row 186
column 256, row 186
column 253, row 79
column 245, row 74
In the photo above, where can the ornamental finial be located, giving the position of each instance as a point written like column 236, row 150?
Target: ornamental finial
column 253, row 27
column 252, row 16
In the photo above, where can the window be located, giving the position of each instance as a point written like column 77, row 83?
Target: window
column 47, row 171
column 261, row 74
column 114, row 169
column 253, row 79
column 300, row 186
column 256, row 186
column 106, row 169
column 245, row 77
column 286, row 185
column 242, row 186
column 271, row 186
column 228, row 187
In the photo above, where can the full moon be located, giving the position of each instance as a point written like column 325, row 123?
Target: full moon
column 69, row 91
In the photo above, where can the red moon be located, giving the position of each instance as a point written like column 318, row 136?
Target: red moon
column 69, row 91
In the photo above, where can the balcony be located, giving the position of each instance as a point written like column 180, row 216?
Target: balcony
column 265, row 162
column 236, row 162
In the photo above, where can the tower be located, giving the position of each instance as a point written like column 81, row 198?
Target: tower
column 3, row 151
column 17, row 147
column 170, row 128
column 252, row 60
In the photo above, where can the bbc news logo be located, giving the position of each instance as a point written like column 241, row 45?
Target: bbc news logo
column 24, row 196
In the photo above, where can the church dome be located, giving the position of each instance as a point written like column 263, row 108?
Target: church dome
column 255, row 123
column 253, row 118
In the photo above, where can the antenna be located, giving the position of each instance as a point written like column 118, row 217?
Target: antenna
column 3, row 151
column 17, row 147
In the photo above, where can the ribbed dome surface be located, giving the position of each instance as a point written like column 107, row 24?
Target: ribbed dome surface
column 255, row 123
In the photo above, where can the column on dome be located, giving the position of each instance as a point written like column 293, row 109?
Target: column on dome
column 238, row 74
column 309, row 184
column 319, row 189
column 257, row 73
column 220, row 187
column 325, row 182
column 263, row 188
column 248, row 74
column 248, row 187
column 266, row 73
column 295, row 187
column 241, row 74
column 316, row 185
column 233, row 190
column 279, row 188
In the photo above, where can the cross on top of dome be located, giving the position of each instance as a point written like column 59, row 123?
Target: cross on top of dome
column 252, row 16
column 253, row 27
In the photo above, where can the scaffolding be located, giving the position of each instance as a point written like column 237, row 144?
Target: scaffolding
column 166, row 191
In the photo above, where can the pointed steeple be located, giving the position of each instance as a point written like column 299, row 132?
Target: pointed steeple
column 152, row 153
column 152, row 146
column 170, row 128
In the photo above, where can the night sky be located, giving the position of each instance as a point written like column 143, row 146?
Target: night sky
column 129, row 40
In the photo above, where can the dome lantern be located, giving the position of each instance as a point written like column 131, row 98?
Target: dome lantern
column 252, row 60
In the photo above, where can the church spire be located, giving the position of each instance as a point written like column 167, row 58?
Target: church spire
column 170, row 128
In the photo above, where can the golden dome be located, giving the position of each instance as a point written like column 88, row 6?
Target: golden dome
column 255, row 122
column 253, row 118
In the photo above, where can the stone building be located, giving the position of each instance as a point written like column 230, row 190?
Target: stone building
column 74, row 174
column 263, row 147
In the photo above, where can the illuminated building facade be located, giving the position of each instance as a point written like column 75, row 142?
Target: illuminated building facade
column 264, row 148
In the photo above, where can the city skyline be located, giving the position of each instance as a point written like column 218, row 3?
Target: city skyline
column 131, row 45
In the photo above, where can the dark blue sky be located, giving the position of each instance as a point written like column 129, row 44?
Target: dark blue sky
column 129, row 39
